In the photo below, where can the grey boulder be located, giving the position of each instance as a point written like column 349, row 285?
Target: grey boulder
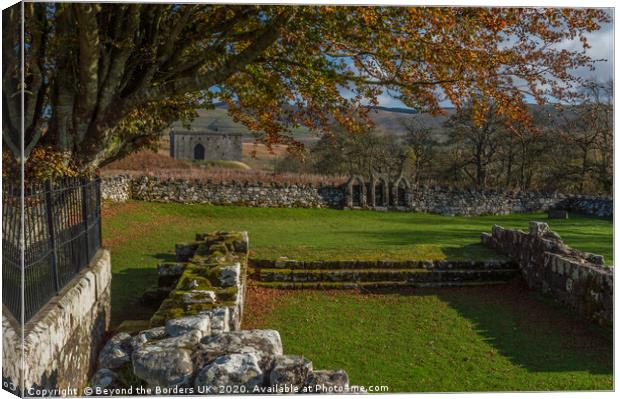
column 243, row 244
column 235, row 371
column 189, row 340
column 327, row 381
column 163, row 366
column 104, row 379
column 183, row 325
column 538, row 228
column 116, row 352
column 229, row 275
column 265, row 344
column 219, row 320
column 290, row 370
column 147, row 336
column 170, row 269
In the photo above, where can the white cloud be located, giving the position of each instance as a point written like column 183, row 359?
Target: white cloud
column 385, row 100
column 602, row 48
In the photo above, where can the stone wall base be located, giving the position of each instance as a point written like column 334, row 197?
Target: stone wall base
column 436, row 199
column 62, row 340
column 576, row 279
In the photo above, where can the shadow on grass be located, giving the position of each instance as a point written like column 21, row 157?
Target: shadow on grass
column 165, row 257
column 128, row 286
column 528, row 328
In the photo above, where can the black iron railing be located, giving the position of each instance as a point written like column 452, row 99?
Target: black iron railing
column 62, row 233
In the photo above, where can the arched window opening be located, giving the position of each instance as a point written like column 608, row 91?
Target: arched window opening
column 199, row 152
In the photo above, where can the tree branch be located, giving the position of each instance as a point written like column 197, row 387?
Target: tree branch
column 228, row 68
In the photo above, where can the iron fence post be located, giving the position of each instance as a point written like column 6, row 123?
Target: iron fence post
column 97, row 183
column 50, row 226
column 59, row 250
column 85, row 216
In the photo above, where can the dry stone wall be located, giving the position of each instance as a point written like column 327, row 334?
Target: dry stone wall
column 588, row 205
column 276, row 195
column 439, row 200
column 369, row 274
column 209, row 276
column 195, row 345
column 577, row 279
column 62, row 340
column 116, row 188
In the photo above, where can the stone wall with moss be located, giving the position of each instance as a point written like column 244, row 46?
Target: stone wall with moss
column 62, row 340
column 579, row 280
column 435, row 199
column 243, row 193
column 194, row 344
column 209, row 276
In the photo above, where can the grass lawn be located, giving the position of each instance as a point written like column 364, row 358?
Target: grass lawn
column 465, row 339
column 141, row 234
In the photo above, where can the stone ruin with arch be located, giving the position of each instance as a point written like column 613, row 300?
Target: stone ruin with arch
column 380, row 192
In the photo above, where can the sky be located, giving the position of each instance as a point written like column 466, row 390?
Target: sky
column 602, row 42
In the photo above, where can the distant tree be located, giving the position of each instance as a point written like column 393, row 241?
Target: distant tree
column 420, row 147
column 529, row 149
column 478, row 137
column 587, row 126
column 602, row 99
column 364, row 153
column 102, row 80
column 507, row 162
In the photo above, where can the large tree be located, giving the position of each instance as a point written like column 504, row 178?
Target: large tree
column 102, row 80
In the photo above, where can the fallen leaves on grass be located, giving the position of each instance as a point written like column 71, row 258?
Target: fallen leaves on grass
column 110, row 209
column 260, row 302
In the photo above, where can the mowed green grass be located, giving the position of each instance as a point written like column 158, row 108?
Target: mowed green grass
column 499, row 338
column 141, row 234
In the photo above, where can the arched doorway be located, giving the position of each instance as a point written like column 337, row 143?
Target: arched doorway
column 355, row 192
column 379, row 191
column 401, row 192
column 199, row 152
column 379, row 200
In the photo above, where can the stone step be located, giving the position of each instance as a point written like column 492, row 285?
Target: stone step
column 382, row 264
column 384, row 275
column 376, row 284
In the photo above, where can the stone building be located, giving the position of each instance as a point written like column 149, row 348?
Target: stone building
column 205, row 145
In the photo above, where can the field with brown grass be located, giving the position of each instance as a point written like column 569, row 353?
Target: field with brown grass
column 159, row 164
column 259, row 157
column 147, row 160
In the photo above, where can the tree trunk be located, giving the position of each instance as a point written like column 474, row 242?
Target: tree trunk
column 584, row 169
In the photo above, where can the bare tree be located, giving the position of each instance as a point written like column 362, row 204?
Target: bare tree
column 603, row 99
column 587, row 126
column 478, row 140
column 420, row 147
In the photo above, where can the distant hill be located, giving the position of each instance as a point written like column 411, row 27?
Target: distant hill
column 390, row 120
column 387, row 120
column 218, row 120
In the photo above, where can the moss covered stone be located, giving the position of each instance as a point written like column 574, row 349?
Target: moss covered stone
column 211, row 254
